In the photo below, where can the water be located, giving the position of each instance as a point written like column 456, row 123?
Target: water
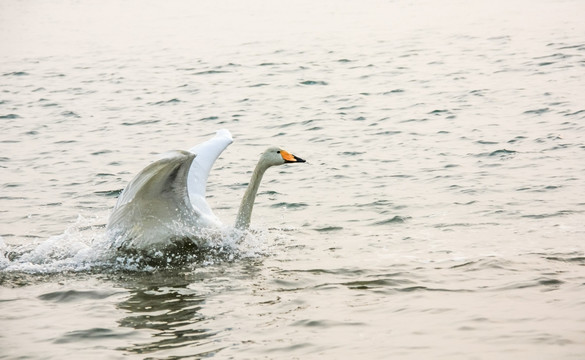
column 440, row 215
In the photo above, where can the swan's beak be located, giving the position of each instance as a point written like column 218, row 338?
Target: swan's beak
column 290, row 158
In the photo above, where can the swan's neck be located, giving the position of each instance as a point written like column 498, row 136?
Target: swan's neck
column 245, row 212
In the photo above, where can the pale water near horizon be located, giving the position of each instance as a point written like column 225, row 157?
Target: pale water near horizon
column 440, row 215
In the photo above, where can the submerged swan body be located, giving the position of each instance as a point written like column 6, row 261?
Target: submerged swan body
column 165, row 202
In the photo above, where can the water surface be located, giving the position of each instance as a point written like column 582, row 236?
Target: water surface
column 440, row 215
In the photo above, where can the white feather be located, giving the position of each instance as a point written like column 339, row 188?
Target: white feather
column 206, row 154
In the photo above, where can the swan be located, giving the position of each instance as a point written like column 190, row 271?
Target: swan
column 165, row 202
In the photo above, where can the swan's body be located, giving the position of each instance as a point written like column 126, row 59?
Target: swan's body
column 166, row 200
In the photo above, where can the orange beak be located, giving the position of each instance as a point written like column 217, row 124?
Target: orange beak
column 290, row 158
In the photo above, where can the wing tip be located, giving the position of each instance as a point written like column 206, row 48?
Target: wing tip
column 226, row 134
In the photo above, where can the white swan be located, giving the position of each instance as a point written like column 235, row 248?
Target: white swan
column 166, row 200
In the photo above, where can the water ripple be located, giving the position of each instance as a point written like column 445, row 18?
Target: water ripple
column 75, row 295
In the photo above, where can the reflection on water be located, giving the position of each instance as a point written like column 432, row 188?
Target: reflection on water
column 171, row 313
column 170, row 306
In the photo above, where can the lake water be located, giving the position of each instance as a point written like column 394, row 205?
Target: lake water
column 441, row 214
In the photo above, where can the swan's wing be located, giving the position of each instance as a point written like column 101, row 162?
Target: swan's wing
column 156, row 197
column 158, row 177
column 207, row 153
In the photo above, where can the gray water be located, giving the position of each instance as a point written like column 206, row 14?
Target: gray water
column 440, row 216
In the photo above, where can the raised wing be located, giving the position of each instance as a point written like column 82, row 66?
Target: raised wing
column 156, row 178
column 153, row 203
column 207, row 153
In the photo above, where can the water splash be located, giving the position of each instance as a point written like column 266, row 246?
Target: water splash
column 85, row 247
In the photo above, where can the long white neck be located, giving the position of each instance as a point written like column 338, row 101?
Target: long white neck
column 245, row 212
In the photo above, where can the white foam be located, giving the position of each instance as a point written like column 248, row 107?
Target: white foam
column 84, row 246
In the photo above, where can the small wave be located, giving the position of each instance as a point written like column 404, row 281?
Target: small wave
column 75, row 295
column 395, row 91
column 373, row 284
column 548, row 215
column 389, row 132
column 486, row 263
column 566, row 47
column 414, row 120
column 486, row 142
column 71, row 114
column 539, row 188
column 439, row 112
column 289, row 205
column 394, row 220
column 313, row 82
column 547, row 283
column 537, row 111
column 109, row 193
column 211, row 72
column 502, row 152
column 351, row 153
column 326, row 324
column 165, row 102
column 77, row 336
column 516, row 139
column 101, row 152
column 141, row 122
column 393, row 285
column 425, row 288
column 10, row 116
column 16, row 73
column 579, row 259
column 329, row 228
column 498, row 153
column 578, row 112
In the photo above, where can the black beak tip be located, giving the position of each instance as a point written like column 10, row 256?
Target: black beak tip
column 298, row 159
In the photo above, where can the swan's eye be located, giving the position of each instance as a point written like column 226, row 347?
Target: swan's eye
column 278, row 152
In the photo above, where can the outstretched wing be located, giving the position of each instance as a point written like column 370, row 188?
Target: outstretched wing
column 158, row 177
column 207, row 153
column 153, row 202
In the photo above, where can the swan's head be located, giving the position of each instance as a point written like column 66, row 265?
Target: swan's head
column 276, row 156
